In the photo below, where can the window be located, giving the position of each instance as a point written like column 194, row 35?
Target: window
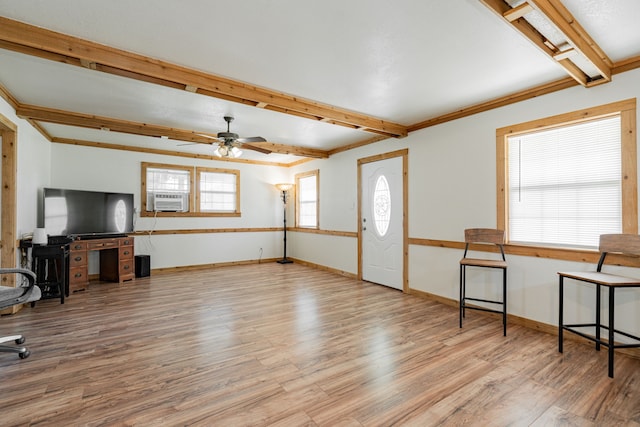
column 567, row 179
column 307, row 185
column 218, row 190
column 382, row 205
column 168, row 190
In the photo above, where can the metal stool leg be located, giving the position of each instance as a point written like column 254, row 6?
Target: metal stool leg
column 462, row 292
column 504, row 302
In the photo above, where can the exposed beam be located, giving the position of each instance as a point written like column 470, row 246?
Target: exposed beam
column 517, row 12
column 48, row 44
column 50, row 115
column 132, row 148
column 69, row 118
column 577, row 37
column 293, row 150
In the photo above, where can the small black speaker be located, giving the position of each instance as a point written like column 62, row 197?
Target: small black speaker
column 143, row 265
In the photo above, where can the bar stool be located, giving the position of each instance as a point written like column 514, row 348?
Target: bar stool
column 49, row 263
column 484, row 236
column 625, row 245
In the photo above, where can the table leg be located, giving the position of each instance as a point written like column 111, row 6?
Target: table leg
column 504, row 302
column 597, row 317
column 611, row 329
column 560, row 308
column 462, row 280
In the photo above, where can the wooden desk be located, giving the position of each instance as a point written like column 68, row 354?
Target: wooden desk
column 116, row 261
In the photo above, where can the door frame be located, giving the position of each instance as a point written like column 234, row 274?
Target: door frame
column 404, row 153
column 8, row 199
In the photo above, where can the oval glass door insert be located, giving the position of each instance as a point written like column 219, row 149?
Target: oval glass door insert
column 381, row 205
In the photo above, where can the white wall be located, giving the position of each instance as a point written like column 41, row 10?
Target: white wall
column 452, row 186
column 87, row 168
column 33, row 169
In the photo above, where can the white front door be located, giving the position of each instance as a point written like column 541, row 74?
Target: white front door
column 382, row 222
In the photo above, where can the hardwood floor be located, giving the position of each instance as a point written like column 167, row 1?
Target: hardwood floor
column 287, row 345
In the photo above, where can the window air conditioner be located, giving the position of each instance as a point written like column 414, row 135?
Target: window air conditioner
column 170, row 202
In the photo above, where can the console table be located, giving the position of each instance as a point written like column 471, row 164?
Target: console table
column 116, row 260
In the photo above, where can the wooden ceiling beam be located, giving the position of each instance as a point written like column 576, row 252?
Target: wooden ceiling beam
column 131, row 148
column 50, row 115
column 293, row 150
column 577, row 36
column 517, row 12
column 48, row 44
column 559, row 16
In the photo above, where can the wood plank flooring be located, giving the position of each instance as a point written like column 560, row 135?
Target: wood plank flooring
column 287, row 345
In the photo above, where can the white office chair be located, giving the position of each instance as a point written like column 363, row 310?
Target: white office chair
column 10, row 296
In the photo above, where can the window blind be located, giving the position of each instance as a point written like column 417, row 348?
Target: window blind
column 565, row 184
column 217, row 192
column 168, row 180
column 307, row 189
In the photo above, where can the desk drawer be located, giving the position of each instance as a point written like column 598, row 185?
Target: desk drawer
column 126, row 253
column 78, row 279
column 102, row 244
column 77, row 259
column 78, row 246
column 126, row 270
column 126, row 241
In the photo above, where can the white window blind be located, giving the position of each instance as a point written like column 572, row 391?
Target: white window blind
column 307, row 203
column 565, row 184
column 168, row 180
column 218, row 192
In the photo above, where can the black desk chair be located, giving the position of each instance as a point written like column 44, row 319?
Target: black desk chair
column 622, row 244
column 485, row 236
column 10, row 296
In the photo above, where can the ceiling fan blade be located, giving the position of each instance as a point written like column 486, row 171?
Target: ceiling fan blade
column 251, row 139
column 256, row 148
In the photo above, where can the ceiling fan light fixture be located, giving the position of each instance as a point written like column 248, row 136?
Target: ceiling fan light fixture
column 227, row 151
column 235, row 152
column 222, row 151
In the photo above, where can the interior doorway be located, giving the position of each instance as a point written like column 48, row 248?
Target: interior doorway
column 8, row 200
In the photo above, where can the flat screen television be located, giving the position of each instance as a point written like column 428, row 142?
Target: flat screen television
column 85, row 214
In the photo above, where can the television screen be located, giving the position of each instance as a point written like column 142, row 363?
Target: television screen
column 86, row 213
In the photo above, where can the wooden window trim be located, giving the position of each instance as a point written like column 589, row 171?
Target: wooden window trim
column 298, row 177
column 194, row 192
column 627, row 111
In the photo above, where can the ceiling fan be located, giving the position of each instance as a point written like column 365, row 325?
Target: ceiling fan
column 229, row 143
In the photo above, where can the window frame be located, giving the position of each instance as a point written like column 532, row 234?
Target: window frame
column 199, row 171
column 194, row 191
column 299, row 177
column 627, row 111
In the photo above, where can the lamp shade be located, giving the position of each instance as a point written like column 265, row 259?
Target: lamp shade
column 39, row 237
column 284, row 186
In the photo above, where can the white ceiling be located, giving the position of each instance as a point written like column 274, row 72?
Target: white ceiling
column 403, row 61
